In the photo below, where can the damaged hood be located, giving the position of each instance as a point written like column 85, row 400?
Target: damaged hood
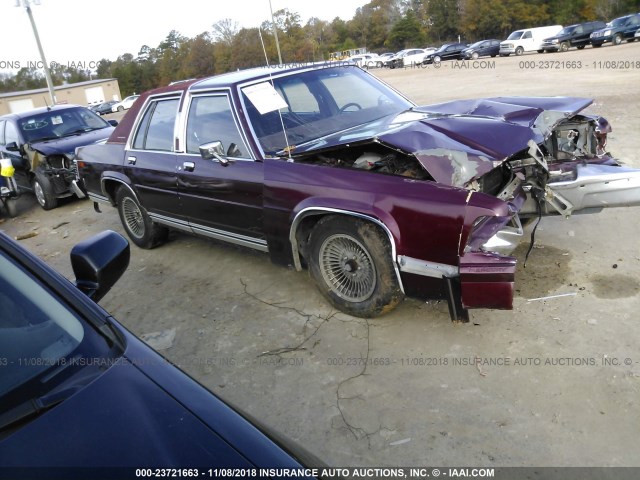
column 457, row 142
column 68, row 145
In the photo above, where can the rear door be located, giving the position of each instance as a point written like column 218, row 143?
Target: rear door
column 150, row 161
column 220, row 200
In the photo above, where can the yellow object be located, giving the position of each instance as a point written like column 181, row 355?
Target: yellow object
column 6, row 168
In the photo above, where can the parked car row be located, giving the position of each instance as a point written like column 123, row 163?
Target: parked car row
column 553, row 38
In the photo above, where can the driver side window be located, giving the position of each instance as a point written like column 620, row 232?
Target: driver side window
column 211, row 119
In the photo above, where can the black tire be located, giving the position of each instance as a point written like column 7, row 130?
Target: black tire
column 43, row 190
column 139, row 227
column 564, row 46
column 437, row 59
column 474, row 56
column 617, row 39
column 121, row 108
column 542, row 51
column 519, row 51
column 11, row 206
column 350, row 261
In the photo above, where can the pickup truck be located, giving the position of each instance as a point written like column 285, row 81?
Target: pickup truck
column 325, row 167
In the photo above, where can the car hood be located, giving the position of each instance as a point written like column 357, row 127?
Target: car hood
column 457, row 142
column 68, row 145
column 141, row 412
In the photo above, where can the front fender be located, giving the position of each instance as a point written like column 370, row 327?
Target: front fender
column 314, row 206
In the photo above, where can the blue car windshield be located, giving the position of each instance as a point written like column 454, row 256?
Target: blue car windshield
column 36, row 330
column 56, row 124
column 319, row 103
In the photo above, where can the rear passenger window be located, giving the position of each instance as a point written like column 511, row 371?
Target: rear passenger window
column 155, row 131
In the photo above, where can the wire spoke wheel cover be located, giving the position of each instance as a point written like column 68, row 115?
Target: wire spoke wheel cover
column 133, row 217
column 351, row 262
column 141, row 229
column 347, row 268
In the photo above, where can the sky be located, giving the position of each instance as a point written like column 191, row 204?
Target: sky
column 81, row 32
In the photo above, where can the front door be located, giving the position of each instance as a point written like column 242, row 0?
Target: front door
column 221, row 200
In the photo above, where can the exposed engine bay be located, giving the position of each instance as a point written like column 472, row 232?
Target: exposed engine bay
column 575, row 141
column 373, row 157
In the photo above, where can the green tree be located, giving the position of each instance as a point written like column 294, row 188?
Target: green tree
column 406, row 32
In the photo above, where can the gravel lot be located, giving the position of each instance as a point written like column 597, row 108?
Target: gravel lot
column 552, row 383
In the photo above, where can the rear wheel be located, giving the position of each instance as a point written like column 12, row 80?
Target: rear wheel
column 350, row 261
column 43, row 189
column 139, row 227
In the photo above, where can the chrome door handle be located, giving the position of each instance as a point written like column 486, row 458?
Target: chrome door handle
column 131, row 160
column 188, row 166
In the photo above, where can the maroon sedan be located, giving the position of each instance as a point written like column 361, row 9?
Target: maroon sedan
column 327, row 168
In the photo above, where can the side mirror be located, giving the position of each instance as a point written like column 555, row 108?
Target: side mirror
column 99, row 262
column 212, row 150
column 113, row 123
column 12, row 147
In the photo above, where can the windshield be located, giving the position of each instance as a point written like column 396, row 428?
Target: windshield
column 55, row 124
column 43, row 341
column 320, row 103
column 618, row 22
column 567, row 30
column 516, row 35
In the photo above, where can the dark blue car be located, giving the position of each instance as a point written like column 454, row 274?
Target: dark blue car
column 42, row 143
column 483, row 48
column 80, row 393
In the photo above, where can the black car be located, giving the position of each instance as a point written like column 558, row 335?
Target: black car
column 448, row 51
column 105, row 107
column 41, row 144
column 572, row 36
column 622, row 28
column 483, row 48
column 79, row 392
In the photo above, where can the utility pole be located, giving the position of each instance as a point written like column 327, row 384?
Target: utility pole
column 275, row 32
column 27, row 5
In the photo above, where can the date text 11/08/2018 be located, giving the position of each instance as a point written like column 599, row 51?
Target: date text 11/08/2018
column 579, row 65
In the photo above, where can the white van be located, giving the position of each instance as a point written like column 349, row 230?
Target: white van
column 527, row 40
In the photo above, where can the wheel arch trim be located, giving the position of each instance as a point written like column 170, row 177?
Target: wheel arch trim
column 117, row 179
column 314, row 211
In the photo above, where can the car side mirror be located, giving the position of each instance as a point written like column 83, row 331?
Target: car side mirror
column 12, row 147
column 214, row 150
column 113, row 123
column 98, row 262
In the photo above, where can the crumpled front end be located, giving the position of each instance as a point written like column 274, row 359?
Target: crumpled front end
column 538, row 161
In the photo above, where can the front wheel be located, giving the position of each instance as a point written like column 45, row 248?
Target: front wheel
column 519, row 51
column 43, row 188
column 11, row 206
column 137, row 223
column 564, row 46
column 617, row 40
column 350, row 261
column 474, row 56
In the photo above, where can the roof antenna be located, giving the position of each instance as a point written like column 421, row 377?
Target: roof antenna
column 46, row 103
column 284, row 130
